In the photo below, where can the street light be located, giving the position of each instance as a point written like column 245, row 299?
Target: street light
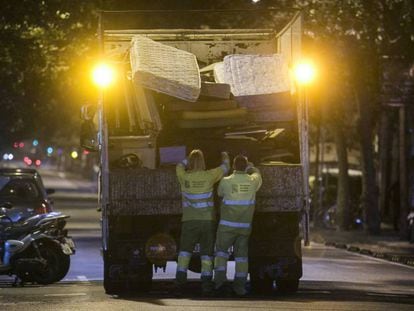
column 304, row 74
column 103, row 75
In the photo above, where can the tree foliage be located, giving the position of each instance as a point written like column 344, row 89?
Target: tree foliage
column 42, row 45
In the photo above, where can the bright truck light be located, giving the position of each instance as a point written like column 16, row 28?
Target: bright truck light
column 103, row 75
column 305, row 72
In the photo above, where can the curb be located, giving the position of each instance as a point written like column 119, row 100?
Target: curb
column 398, row 258
column 74, row 196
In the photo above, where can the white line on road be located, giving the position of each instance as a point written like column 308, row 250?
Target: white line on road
column 62, row 295
column 382, row 260
column 387, row 295
column 315, row 292
column 82, row 278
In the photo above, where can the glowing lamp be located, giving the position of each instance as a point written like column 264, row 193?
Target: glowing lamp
column 305, row 72
column 103, row 75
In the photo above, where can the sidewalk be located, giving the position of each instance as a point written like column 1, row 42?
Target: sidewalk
column 386, row 246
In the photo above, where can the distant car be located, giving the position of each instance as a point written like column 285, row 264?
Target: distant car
column 24, row 188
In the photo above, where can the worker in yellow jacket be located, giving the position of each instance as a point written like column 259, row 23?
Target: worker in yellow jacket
column 198, row 220
column 236, row 214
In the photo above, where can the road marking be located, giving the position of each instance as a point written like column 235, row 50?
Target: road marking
column 20, row 303
column 62, row 295
column 382, row 260
column 315, row 292
column 82, row 278
column 387, row 295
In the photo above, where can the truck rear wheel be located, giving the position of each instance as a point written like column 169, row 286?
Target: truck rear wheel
column 120, row 279
column 261, row 285
column 287, row 286
column 260, row 282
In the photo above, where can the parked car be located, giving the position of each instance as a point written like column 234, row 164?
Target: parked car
column 24, row 189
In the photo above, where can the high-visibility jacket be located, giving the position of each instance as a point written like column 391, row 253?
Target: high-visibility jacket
column 239, row 197
column 197, row 191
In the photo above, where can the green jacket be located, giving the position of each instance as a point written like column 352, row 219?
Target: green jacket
column 239, row 197
column 197, row 191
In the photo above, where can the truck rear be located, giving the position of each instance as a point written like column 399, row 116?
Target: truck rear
column 142, row 134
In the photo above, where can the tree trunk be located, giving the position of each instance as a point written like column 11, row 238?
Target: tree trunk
column 316, row 202
column 403, row 174
column 342, row 199
column 385, row 147
column 369, row 199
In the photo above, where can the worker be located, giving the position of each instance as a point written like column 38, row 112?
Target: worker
column 198, row 220
column 236, row 214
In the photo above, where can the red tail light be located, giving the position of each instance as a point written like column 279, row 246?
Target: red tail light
column 41, row 209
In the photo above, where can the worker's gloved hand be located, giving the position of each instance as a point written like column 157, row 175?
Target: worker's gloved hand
column 225, row 157
column 184, row 162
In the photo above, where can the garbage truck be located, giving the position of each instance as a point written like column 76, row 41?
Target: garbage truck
column 150, row 118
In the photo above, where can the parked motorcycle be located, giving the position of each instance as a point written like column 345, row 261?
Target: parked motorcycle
column 35, row 250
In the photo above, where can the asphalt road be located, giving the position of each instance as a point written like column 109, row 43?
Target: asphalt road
column 333, row 280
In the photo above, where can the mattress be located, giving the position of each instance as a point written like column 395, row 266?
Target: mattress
column 165, row 69
column 215, row 90
column 210, row 119
column 210, row 115
column 201, row 105
column 282, row 100
column 254, row 74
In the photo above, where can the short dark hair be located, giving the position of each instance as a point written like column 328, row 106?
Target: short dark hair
column 240, row 163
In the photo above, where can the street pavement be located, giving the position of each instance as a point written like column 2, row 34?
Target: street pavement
column 333, row 278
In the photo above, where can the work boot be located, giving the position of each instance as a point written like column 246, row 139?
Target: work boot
column 207, row 288
column 240, row 294
column 239, row 287
column 224, row 291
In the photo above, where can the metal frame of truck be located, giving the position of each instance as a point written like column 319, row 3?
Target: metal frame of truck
column 263, row 269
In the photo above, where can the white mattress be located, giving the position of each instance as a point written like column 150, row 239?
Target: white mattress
column 165, row 69
column 254, row 74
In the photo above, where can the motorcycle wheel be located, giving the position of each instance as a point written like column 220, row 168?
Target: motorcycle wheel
column 57, row 264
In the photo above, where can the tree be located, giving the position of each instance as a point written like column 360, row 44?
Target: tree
column 41, row 44
column 365, row 30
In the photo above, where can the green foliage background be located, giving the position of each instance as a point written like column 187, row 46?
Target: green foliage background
column 47, row 48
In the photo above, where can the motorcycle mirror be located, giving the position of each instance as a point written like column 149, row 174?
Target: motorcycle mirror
column 6, row 205
column 88, row 136
column 88, row 112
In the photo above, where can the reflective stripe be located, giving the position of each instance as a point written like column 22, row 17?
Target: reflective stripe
column 184, row 254
column 240, row 275
column 234, row 224
column 206, row 273
column 197, row 204
column 197, row 196
column 240, row 259
column 220, row 268
column 209, row 258
column 239, row 202
column 222, row 254
column 180, row 269
column 224, row 167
